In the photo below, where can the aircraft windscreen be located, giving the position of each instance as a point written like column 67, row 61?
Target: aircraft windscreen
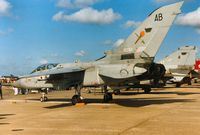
column 100, row 58
column 44, row 67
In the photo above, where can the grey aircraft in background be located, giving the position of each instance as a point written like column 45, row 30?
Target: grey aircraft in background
column 131, row 62
column 180, row 65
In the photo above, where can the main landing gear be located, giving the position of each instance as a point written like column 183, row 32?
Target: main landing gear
column 178, row 84
column 147, row 90
column 107, row 96
column 77, row 97
column 116, row 92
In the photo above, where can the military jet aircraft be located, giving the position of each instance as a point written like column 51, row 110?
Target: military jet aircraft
column 131, row 62
column 196, row 71
column 180, row 65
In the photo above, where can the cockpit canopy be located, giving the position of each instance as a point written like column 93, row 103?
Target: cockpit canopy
column 44, row 67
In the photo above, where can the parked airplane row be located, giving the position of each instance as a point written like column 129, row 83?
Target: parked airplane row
column 122, row 67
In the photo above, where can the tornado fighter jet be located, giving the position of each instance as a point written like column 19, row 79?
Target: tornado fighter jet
column 131, row 62
column 180, row 65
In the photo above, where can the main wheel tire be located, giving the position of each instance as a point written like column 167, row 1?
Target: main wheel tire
column 147, row 90
column 117, row 92
column 76, row 99
column 110, row 96
column 45, row 98
column 178, row 85
column 41, row 99
column 189, row 83
column 107, row 97
column 195, row 81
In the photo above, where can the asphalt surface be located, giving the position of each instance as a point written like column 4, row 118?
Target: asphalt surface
column 166, row 111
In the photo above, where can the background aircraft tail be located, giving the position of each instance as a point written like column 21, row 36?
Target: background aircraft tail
column 183, row 58
column 197, row 65
column 147, row 38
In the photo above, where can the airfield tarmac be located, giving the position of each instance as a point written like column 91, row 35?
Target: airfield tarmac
column 165, row 111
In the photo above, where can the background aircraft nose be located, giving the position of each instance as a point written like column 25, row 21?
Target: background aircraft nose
column 17, row 83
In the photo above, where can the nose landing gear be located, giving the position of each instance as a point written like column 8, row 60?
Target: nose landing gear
column 44, row 98
column 77, row 97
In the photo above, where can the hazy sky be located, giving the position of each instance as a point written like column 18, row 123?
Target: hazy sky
column 34, row 32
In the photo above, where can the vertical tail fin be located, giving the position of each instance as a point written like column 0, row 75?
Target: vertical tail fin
column 147, row 38
column 184, row 57
column 197, row 65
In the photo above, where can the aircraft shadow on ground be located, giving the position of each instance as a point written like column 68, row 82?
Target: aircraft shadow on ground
column 140, row 102
column 128, row 93
column 4, row 123
column 57, row 100
column 172, row 87
column 177, row 93
column 4, row 116
column 58, row 106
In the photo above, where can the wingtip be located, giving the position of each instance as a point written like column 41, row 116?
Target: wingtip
column 180, row 3
column 176, row 6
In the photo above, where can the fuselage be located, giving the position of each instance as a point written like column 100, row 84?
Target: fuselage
column 112, row 72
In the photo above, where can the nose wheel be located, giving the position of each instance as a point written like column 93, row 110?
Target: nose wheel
column 116, row 92
column 77, row 97
column 43, row 99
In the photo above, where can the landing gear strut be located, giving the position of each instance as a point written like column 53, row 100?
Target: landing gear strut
column 107, row 96
column 44, row 98
column 77, row 97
